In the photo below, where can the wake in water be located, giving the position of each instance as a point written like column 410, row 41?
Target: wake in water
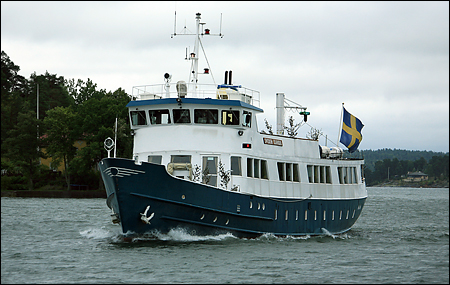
column 182, row 235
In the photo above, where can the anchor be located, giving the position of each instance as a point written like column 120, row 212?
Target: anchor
column 144, row 217
column 114, row 217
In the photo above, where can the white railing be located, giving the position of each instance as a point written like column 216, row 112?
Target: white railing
column 159, row 91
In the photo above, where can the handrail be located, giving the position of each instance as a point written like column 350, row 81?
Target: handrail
column 169, row 90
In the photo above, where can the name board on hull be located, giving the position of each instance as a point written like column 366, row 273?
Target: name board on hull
column 273, row 141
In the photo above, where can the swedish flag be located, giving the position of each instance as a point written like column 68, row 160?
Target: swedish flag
column 351, row 131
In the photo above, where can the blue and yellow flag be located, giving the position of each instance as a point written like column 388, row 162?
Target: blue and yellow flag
column 351, row 131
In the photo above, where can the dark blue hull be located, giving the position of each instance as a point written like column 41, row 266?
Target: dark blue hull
column 205, row 210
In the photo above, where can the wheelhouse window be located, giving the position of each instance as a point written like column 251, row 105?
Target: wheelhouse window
column 138, row 118
column 181, row 116
column 230, row 117
column 247, row 119
column 158, row 117
column 206, row 116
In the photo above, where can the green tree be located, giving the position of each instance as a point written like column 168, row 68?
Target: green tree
column 23, row 146
column 52, row 92
column 96, row 115
column 14, row 87
column 62, row 132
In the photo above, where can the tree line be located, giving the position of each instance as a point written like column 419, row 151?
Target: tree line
column 69, row 110
column 437, row 168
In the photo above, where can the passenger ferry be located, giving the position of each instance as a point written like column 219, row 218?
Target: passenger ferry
column 200, row 164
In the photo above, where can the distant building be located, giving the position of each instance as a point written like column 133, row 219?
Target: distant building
column 79, row 144
column 416, row 176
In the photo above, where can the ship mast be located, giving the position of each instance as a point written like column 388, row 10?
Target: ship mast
column 193, row 77
column 194, row 56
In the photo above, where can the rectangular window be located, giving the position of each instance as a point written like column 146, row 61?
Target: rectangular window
column 316, row 174
column 138, row 118
column 310, row 173
column 236, row 165
column 256, row 168
column 341, row 175
column 158, row 117
column 344, row 172
column 328, row 174
column 230, row 117
column 206, row 116
column 247, row 119
column 281, row 168
column 295, row 172
column 355, row 176
column 288, row 171
column 322, row 174
column 249, row 167
column 155, row 159
column 181, row 116
column 180, row 158
column 264, row 174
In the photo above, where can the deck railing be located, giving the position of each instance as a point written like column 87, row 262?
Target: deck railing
column 225, row 92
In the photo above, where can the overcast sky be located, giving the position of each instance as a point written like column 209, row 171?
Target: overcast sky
column 387, row 61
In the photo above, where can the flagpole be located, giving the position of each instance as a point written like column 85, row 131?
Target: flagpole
column 340, row 125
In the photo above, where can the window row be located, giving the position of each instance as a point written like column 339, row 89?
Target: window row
column 347, row 175
column 319, row 174
column 183, row 116
column 258, row 168
column 288, row 171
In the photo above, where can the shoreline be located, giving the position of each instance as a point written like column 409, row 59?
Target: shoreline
column 54, row 193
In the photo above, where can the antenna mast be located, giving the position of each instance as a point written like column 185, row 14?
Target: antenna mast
column 193, row 56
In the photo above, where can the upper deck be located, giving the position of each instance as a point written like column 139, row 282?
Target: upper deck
column 182, row 89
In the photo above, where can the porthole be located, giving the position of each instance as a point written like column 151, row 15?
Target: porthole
column 353, row 215
column 226, row 223
column 324, row 215
column 259, row 206
column 332, row 215
column 215, row 220
column 251, row 204
column 347, row 214
column 306, row 215
column 315, row 215
column 202, row 217
column 263, row 206
column 183, row 197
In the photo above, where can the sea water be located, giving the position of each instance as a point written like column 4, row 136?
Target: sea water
column 402, row 236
